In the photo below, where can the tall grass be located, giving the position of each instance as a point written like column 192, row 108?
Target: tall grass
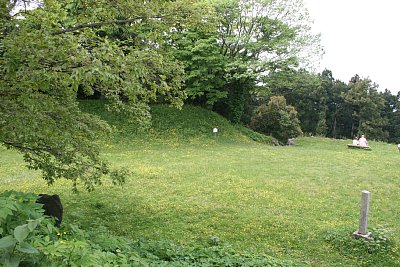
column 299, row 202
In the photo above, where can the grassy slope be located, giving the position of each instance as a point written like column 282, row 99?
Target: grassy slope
column 187, row 186
column 171, row 126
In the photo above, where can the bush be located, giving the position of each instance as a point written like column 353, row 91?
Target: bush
column 28, row 238
column 277, row 119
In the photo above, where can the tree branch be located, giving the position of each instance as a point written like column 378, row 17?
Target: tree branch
column 98, row 24
column 34, row 150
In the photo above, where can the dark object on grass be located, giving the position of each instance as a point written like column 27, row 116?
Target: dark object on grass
column 52, row 207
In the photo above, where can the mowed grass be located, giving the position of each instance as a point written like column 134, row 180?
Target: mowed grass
column 284, row 201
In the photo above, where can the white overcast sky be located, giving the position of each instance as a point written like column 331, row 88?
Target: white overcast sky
column 360, row 37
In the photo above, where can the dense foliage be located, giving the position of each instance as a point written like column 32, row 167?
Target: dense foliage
column 277, row 119
column 132, row 53
column 27, row 238
column 332, row 108
column 252, row 39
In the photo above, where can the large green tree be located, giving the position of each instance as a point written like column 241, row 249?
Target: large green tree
column 261, row 37
column 252, row 39
column 52, row 49
column 338, row 115
column 304, row 91
column 198, row 50
column 392, row 114
column 366, row 105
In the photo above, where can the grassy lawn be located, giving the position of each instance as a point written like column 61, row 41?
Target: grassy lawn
column 299, row 203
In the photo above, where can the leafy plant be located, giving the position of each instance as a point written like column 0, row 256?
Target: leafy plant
column 29, row 238
column 20, row 218
column 165, row 253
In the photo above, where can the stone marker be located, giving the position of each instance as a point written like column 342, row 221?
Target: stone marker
column 215, row 131
column 290, row 142
column 362, row 231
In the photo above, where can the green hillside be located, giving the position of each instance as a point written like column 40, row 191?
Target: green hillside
column 190, row 124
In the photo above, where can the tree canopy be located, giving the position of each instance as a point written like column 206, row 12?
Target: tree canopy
column 330, row 107
column 252, row 39
column 54, row 49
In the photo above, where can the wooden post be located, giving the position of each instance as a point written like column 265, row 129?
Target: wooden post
column 363, row 223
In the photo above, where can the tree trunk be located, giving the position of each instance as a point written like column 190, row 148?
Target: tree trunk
column 334, row 127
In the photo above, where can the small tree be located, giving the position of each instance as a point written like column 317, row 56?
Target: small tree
column 277, row 119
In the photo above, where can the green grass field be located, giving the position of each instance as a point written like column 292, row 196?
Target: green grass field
column 299, row 203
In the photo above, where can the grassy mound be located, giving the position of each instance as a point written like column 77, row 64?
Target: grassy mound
column 190, row 124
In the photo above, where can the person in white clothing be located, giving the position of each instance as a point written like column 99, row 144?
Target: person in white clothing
column 355, row 141
column 363, row 141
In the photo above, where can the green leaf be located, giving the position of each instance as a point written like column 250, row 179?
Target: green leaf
column 13, row 261
column 32, row 225
column 50, row 227
column 21, row 232
column 7, row 241
column 27, row 248
column 6, row 210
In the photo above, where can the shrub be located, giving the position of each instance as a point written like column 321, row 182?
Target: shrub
column 28, row 238
column 277, row 119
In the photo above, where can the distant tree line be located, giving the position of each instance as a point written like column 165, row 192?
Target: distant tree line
column 329, row 107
